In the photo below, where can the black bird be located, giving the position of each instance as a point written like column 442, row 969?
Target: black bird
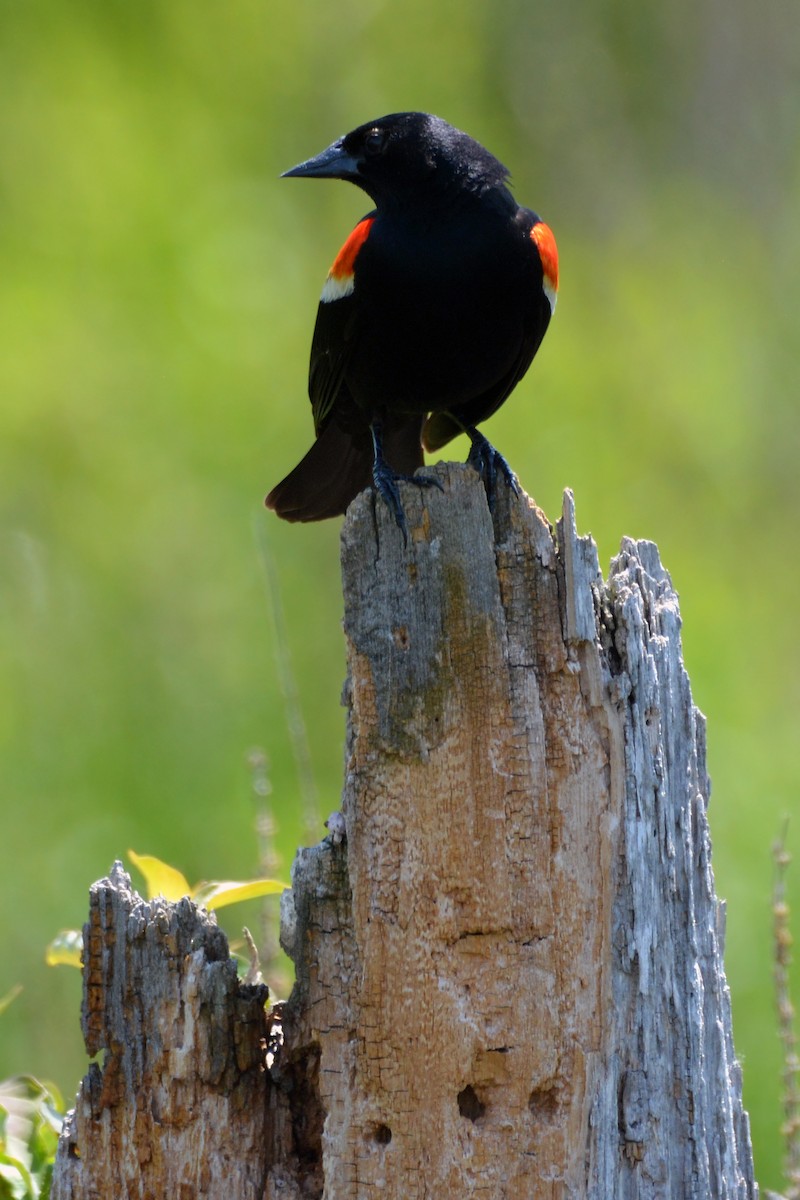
column 431, row 313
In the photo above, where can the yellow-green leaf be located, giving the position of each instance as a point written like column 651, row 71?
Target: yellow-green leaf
column 10, row 996
column 216, row 895
column 65, row 949
column 160, row 877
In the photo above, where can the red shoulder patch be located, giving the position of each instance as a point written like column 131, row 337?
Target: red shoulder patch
column 341, row 275
column 542, row 236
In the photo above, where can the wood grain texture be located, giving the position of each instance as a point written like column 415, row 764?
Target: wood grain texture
column 509, row 972
column 517, row 989
column 178, row 1106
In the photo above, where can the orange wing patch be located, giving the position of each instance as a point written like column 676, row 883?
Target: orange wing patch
column 341, row 277
column 545, row 242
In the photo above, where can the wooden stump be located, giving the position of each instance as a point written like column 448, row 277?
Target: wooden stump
column 517, row 987
column 178, row 1106
column 509, row 974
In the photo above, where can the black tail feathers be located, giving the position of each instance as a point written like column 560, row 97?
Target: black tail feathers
column 339, row 466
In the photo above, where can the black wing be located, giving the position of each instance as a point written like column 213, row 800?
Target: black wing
column 339, row 464
column 331, row 347
column 336, row 330
column 535, row 312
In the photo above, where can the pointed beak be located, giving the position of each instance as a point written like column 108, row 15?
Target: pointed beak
column 333, row 163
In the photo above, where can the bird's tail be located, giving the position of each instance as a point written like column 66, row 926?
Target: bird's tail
column 339, row 466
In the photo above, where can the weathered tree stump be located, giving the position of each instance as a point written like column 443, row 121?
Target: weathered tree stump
column 509, row 975
column 177, row 1108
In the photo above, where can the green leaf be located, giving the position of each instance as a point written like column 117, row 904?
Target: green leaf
column 160, row 877
column 29, row 1126
column 218, row 894
column 16, row 1180
column 9, row 997
column 65, row 949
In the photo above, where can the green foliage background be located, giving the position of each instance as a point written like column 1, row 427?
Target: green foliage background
column 157, row 292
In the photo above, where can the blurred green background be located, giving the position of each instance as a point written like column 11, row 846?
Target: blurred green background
column 158, row 287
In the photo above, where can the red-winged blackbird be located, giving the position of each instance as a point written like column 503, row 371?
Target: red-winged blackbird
column 431, row 313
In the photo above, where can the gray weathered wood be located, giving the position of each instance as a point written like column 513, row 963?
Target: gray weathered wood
column 178, row 1106
column 509, row 973
column 512, row 972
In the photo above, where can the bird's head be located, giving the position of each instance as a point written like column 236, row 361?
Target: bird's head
column 400, row 155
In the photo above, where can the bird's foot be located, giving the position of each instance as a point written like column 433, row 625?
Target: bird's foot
column 489, row 463
column 386, row 481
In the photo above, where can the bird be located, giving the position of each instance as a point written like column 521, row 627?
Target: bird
column 430, row 315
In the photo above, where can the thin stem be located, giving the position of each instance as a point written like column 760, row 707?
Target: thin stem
column 786, row 1021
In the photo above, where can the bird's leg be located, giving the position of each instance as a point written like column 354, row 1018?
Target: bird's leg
column 385, row 479
column 489, row 463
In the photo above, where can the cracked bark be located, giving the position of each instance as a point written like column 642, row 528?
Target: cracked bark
column 512, row 969
column 179, row 1106
column 509, row 975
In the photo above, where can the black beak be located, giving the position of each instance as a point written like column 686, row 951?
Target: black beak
column 333, row 163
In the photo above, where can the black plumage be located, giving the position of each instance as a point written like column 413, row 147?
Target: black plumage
column 430, row 316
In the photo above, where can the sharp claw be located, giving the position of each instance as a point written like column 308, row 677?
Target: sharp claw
column 422, row 481
column 489, row 463
column 385, row 482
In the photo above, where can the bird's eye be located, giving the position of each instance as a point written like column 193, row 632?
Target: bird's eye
column 373, row 141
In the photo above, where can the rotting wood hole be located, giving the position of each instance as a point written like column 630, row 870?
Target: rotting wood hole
column 308, row 1118
column 380, row 1133
column 401, row 638
column 469, row 1105
column 543, row 1103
